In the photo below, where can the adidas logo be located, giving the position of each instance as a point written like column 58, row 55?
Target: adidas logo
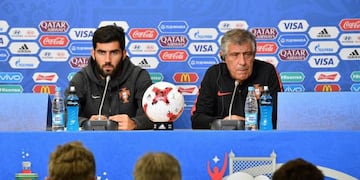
column 24, row 49
column 144, row 63
column 354, row 55
column 323, row 34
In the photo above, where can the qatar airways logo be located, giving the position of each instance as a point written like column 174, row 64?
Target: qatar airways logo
column 45, row 77
column 293, row 54
column 173, row 41
column 79, row 62
column 350, row 24
column 327, row 76
column 266, row 48
column 54, row 41
column 264, row 33
column 173, row 55
column 53, row 26
column 143, row 34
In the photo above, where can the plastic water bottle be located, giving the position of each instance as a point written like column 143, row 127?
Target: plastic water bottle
column 251, row 110
column 58, row 109
column 72, row 107
column 266, row 110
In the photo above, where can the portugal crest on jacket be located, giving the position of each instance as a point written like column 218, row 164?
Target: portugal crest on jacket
column 124, row 95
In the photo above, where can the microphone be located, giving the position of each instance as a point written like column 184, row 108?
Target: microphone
column 221, row 124
column 103, row 97
column 232, row 98
column 101, row 124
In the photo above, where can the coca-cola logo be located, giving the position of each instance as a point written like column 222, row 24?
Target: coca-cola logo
column 173, row 41
column 173, row 55
column 79, row 62
column 143, row 34
column 350, row 24
column 266, row 47
column 54, row 26
column 293, row 54
column 54, row 41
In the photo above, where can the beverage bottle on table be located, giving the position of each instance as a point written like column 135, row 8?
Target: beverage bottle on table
column 266, row 110
column 72, row 108
column 58, row 109
column 251, row 110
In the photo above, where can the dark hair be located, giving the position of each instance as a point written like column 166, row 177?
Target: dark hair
column 298, row 169
column 109, row 33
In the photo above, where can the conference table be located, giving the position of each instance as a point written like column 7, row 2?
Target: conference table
column 336, row 153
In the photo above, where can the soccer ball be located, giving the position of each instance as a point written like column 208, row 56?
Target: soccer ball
column 163, row 102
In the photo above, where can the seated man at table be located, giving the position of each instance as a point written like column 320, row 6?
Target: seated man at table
column 110, row 65
column 72, row 161
column 298, row 169
column 236, row 73
column 155, row 166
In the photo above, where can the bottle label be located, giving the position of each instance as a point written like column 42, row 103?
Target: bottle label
column 58, row 119
column 251, row 121
column 266, row 117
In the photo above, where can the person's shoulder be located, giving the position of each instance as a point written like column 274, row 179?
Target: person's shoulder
column 263, row 64
column 216, row 67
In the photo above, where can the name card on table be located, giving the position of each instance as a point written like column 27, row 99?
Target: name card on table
column 24, row 112
column 318, row 111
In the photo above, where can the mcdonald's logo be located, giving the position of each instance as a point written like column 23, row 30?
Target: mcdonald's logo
column 327, row 88
column 186, row 77
column 48, row 89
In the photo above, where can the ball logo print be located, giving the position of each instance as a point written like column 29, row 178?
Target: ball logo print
column 163, row 102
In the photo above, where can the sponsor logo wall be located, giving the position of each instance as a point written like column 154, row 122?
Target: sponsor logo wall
column 312, row 48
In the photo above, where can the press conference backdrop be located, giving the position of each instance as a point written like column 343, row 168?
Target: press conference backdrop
column 315, row 45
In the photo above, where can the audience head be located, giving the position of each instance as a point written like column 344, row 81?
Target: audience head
column 155, row 166
column 298, row 169
column 71, row 161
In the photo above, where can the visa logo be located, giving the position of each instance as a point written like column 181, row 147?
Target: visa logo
column 84, row 34
column 324, row 61
column 203, row 48
column 294, row 25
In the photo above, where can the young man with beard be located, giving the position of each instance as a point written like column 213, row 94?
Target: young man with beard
column 123, row 100
column 239, row 70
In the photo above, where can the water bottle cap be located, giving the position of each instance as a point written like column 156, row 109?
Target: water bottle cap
column 72, row 88
column 266, row 88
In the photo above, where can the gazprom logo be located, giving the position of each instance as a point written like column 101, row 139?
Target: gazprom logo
column 11, row 77
column 294, row 88
column 293, row 40
column 173, row 26
column 203, row 34
column 324, row 47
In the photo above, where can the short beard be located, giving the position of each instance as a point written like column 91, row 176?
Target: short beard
column 115, row 71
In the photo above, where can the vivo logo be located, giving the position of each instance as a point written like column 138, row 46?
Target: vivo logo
column 11, row 77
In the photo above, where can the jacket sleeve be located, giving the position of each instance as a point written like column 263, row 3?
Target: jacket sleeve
column 203, row 112
column 143, row 81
